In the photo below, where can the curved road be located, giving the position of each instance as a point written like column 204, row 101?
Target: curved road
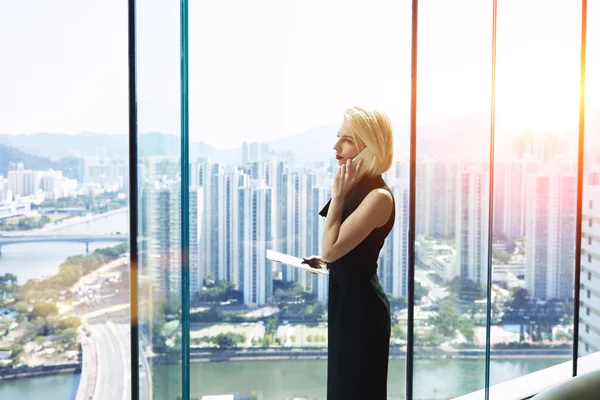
column 109, row 381
column 106, row 364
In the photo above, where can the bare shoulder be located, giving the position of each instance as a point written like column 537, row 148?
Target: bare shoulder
column 379, row 203
column 380, row 197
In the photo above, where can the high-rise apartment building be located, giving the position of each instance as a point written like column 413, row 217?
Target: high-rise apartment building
column 196, row 279
column 589, row 291
column 550, row 234
column 436, row 192
column 393, row 259
column 297, row 223
column 160, row 261
column 472, row 223
column 21, row 181
column 510, row 188
column 320, row 196
column 255, row 206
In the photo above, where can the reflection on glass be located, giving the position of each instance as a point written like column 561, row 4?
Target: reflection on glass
column 536, row 182
column 452, row 196
column 159, row 200
column 64, row 265
column 589, row 307
column 264, row 116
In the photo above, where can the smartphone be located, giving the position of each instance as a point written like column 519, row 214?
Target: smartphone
column 367, row 156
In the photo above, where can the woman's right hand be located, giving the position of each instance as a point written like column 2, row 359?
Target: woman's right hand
column 314, row 262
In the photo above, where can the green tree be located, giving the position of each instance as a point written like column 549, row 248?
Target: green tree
column 214, row 314
column 46, row 326
column 217, row 291
column 567, row 313
column 467, row 329
column 420, row 292
column 16, row 351
column 314, row 311
column 429, row 338
column 21, row 307
column 465, row 288
column 43, row 309
column 318, row 310
column 271, row 325
column 522, row 333
column 69, row 322
column 398, row 332
column 8, row 286
column 267, row 341
column 447, row 320
column 520, row 299
column 397, row 303
column 229, row 340
column 308, row 311
column 501, row 256
column 70, row 333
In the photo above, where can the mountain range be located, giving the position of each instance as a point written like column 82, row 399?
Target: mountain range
column 68, row 165
column 462, row 137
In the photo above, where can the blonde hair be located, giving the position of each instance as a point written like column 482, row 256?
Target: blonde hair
column 373, row 130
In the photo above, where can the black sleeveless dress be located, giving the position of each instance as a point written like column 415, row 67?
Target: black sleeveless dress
column 358, row 312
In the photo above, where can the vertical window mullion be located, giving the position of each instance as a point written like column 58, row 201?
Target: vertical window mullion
column 133, row 204
column 185, row 208
column 412, row 206
column 580, row 156
column 491, row 204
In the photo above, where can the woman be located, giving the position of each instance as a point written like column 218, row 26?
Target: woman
column 359, row 217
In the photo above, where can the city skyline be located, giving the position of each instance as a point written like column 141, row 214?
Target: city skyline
column 232, row 221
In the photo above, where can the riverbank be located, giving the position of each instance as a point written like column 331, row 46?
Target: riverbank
column 42, row 370
column 212, row 355
column 66, row 223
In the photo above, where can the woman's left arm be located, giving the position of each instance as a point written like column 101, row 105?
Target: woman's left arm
column 339, row 238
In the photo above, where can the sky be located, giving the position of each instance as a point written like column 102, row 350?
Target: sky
column 264, row 69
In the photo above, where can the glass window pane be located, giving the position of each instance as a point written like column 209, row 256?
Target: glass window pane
column 64, row 224
column 536, row 184
column 159, row 197
column 589, row 339
column 452, row 197
column 268, row 88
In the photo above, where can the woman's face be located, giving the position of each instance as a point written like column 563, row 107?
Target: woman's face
column 345, row 146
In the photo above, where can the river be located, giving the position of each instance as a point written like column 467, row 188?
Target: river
column 277, row 380
column 434, row 379
column 40, row 260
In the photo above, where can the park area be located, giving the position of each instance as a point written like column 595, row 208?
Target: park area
column 258, row 334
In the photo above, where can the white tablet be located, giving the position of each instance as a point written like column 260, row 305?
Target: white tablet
column 293, row 261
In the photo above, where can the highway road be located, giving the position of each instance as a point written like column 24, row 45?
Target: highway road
column 111, row 378
column 121, row 333
column 106, row 372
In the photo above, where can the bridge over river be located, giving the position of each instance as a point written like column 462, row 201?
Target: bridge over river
column 6, row 240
